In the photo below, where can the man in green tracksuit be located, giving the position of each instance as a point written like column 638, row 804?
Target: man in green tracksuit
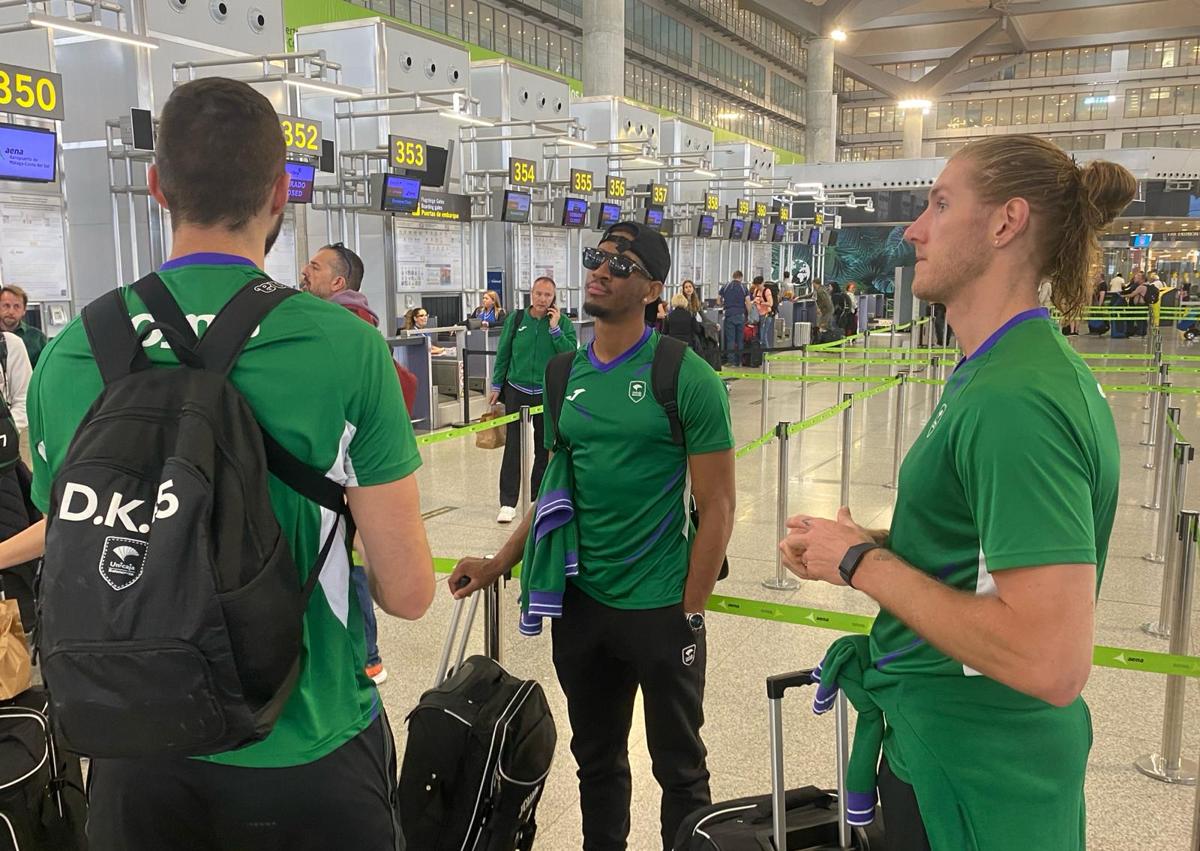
column 530, row 338
column 988, row 576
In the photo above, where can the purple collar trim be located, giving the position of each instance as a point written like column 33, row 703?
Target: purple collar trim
column 1024, row 316
column 620, row 359
column 205, row 258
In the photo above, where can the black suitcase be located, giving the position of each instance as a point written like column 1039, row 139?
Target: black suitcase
column 479, row 748
column 42, row 802
column 813, row 819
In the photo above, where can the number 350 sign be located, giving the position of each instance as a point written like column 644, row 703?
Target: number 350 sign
column 25, row 91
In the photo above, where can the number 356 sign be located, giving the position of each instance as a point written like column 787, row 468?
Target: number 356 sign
column 26, row 91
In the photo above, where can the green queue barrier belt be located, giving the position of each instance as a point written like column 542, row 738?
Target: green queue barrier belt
column 844, row 379
column 452, row 433
column 1174, row 427
column 1121, row 658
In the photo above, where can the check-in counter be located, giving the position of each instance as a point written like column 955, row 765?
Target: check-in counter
column 413, row 353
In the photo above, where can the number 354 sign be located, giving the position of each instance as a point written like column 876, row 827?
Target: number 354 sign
column 26, row 91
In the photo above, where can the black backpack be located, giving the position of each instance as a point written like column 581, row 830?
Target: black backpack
column 171, row 607
column 10, row 438
column 664, row 382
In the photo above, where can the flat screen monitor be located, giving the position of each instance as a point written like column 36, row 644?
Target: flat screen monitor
column 516, row 207
column 737, row 228
column 654, row 217
column 779, row 232
column 704, row 228
column 575, row 212
column 608, row 216
column 1140, row 240
column 400, row 194
column 814, row 236
column 28, row 153
column 437, row 166
column 300, row 182
column 755, row 232
column 830, row 237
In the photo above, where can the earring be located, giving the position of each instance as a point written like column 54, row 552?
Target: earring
column 996, row 243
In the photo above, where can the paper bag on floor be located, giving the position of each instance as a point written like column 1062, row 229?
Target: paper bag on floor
column 15, row 676
column 492, row 438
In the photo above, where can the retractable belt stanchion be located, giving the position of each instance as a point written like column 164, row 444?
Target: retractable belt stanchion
column 898, row 448
column 847, row 446
column 781, row 581
column 841, row 368
column 1158, row 425
column 1164, row 481
column 1166, row 441
column 1170, row 766
column 803, row 391
column 492, row 622
column 766, row 397
column 1151, row 369
column 1176, row 493
column 526, row 460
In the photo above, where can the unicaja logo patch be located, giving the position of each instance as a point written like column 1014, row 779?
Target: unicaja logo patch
column 267, row 287
column 122, row 561
column 637, row 391
column 689, row 654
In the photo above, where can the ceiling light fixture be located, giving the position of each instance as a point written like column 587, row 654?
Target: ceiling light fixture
column 914, row 103
column 464, row 118
column 838, row 34
column 52, row 23
column 728, row 116
column 703, row 172
column 754, row 184
column 650, row 161
column 320, row 86
column 576, row 143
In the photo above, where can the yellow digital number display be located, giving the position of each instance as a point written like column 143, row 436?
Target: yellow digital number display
column 743, row 207
column 712, row 202
column 658, row 194
column 522, row 172
column 581, row 181
column 614, row 187
column 819, row 219
column 407, row 153
column 783, row 212
column 760, row 211
column 301, row 135
column 26, row 91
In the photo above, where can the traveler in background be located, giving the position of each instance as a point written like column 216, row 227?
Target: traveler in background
column 633, row 617
column 735, row 298
column 681, row 323
column 325, row 777
column 489, row 312
column 656, row 312
column 530, row 338
column 693, row 298
column 335, row 273
column 14, row 303
column 765, row 304
column 15, row 374
column 988, row 577
column 1117, row 284
column 824, row 307
column 417, row 320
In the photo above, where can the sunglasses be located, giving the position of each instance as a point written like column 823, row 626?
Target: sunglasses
column 620, row 265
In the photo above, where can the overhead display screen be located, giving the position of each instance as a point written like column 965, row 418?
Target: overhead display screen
column 755, row 232
column 704, row 227
column 575, row 212
column 1140, row 240
column 609, row 215
column 300, row 182
column 654, row 217
column 779, row 232
column 737, row 228
column 28, row 153
column 400, row 194
column 814, row 236
column 516, row 207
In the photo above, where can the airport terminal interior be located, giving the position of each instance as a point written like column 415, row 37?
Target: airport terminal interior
column 465, row 147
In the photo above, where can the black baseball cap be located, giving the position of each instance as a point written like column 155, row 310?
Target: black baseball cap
column 647, row 243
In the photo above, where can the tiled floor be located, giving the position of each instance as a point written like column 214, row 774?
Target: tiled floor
column 1126, row 811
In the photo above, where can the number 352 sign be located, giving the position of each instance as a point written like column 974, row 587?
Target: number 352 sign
column 26, row 91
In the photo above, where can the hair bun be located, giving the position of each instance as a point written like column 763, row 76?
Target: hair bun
column 1107, row 190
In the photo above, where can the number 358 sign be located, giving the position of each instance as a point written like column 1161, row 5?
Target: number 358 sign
column 26, row 91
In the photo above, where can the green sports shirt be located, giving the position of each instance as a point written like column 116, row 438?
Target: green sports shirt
column 526, row 346
column 1018, row 467
column 322, row 382
column 631, row 481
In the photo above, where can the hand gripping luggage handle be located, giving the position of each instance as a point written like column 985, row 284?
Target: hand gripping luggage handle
column 776, row 687
column 455, row 617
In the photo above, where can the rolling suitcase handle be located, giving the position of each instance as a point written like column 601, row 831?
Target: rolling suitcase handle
column 455, row 617
column 776, row 687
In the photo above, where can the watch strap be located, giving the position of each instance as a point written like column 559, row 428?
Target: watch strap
column 853, row 559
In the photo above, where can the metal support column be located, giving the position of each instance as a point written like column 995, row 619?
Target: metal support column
column 526, row 460
column 781, row 581
column 847, row 446
column 898, row 439
column 1173, row 502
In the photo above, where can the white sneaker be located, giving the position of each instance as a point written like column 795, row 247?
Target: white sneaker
column 507, row 514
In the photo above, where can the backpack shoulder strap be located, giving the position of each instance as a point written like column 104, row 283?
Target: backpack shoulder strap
column 554, row 391
column 163, row 307
column 115, row 346
column 664, row 380
column 231, row 329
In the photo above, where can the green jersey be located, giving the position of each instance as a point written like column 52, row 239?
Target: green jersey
column 1019, row 467
column 631, row 481
column 322, row 383
column 33, row 339
column 525, row 348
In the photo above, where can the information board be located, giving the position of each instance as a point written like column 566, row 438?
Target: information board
column 428, row 255
column 280, row 264
column 33, row 254
column 549, row 257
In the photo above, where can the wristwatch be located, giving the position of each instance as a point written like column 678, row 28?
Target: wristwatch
column 695, row 620
column 853, row 558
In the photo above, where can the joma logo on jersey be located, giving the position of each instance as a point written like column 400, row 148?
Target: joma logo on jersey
column 936, row 420
column 637, row 391
column 80, row 503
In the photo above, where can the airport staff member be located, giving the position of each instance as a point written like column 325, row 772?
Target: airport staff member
column 13, row 304
column 325, row 776
column 530, row 338
column 634, row 615
column 988, row 576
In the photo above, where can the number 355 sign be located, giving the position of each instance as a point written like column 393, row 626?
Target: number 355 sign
column 25, row 91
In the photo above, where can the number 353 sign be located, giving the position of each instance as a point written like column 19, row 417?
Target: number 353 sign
column 26, row 91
